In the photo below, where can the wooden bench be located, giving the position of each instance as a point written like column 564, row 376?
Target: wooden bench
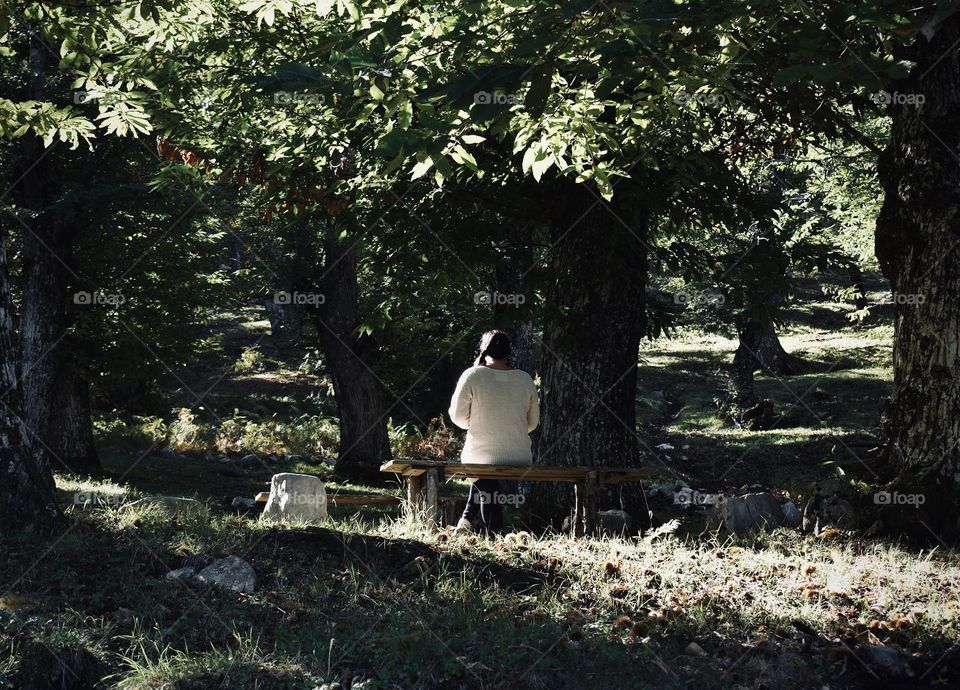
column 424, row 477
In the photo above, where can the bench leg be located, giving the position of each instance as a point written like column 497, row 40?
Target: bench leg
column 431, row 506
column 590, row 514
column 415, row 485
column 576, row 529
column 585, row 505
column 423, row 497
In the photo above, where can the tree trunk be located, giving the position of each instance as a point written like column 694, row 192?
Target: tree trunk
column 350, row 357
column 917, row 238
column 26, row 488
column 514, row 315
column 59, row 426
column 71, row 435
column 594, row 320
column 759, row 349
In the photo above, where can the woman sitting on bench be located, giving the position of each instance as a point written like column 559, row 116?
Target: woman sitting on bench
column 498, row 406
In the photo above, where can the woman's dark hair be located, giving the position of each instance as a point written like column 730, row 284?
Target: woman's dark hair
column 494, row 344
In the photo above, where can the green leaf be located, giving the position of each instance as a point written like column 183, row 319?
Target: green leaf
column 421, row 168
column 541, row 165
column 529, row 156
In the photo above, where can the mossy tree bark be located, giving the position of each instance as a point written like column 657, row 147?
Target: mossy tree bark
column 26, row 487
column 513, row 314
column 918, row 246
column 351, row 359
column 594, row 320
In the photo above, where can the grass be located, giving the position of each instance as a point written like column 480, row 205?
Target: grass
column 389, row 604
column 370, row 600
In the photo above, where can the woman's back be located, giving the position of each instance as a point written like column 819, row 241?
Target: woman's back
column 498, row 408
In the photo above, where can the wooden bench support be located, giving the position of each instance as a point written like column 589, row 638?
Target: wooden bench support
column 423, row 496
column 585, row 505
column 425, row 476
column 415, row 484
column 431, row 505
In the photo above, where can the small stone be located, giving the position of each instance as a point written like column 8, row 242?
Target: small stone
column 250, row 461
column 829, row 506
column 224, row 460
column 615, row 521
column 889, row 661
column 295, row 459
column 123, row 616
column 693, row 649
column 748, row 513
column 295, row 498
column 243, row 503
column 664, row 446
column 231, row 573
column 791, row 514
column 180, row 574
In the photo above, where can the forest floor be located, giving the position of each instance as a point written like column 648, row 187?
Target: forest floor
column 369, row 600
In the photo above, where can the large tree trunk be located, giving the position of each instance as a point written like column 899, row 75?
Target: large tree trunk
column 918, row 246
column 26, row 488
column 350, row 357
column 594, row 320
column 58, row 426
column 56, row 403
column 514, row 315
column 759, row 349
column 71, row 435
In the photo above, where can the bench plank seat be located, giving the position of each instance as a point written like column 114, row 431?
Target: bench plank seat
column 422, row 496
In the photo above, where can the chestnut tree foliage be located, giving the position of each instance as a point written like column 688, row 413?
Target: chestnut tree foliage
column 571, row 141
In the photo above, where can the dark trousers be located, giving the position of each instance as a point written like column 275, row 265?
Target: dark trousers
column 482, row 501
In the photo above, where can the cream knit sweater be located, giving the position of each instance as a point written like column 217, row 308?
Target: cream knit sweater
column 498, row 408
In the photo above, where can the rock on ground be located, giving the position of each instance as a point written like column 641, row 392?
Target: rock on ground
column 889, row 661
column 295, row 498
column 749, row 513
column 829, row 506
column 231, row 573
column 181, row 574
column 791, row 514
column 243, row 503
column 616, row 521
column 250, row 461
